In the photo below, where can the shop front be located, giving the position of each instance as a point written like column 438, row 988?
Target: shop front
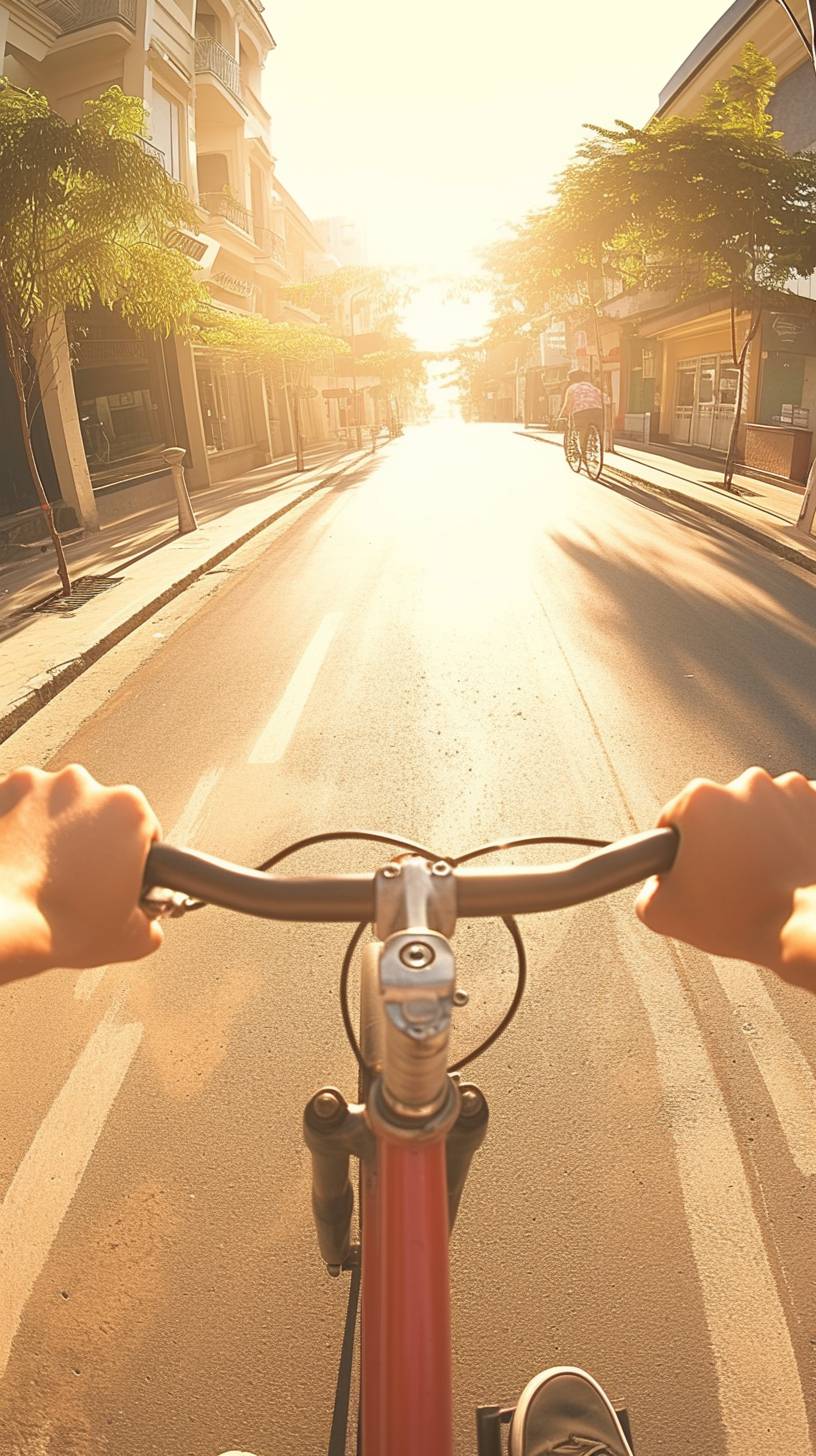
column 786, row 407
column 696, row 381
column 705, row 399
column 123, row 399
column 787, row 391
column 235, row 414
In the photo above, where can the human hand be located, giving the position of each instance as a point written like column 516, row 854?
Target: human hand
column 744, row 880
column 72, row 855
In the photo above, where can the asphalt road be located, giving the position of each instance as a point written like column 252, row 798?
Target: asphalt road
column 461, row 642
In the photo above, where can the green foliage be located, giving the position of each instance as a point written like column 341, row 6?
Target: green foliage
column 84, row 214
column 708, row 202
column 400, row 363
column 325, row 295
column 264, row 343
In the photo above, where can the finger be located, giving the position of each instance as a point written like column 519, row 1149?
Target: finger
column 141, row 937
column 645, row 901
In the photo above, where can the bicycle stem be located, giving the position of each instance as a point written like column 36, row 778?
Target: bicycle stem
column 415, row 912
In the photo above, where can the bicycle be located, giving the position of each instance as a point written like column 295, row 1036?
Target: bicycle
column 416, row 1125
column 589, row 454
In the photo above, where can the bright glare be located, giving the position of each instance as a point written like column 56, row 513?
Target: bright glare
column 434, row 124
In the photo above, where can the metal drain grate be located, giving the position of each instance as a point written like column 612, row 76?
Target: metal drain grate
column 83, row 590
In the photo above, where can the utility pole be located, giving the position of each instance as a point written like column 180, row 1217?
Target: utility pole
column 358, row 428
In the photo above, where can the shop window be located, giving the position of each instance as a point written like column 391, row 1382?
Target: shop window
column 729, row 381
column 708, row 375
column 224, row 397
column 685, row 385
column 165, row 123
column 783, row 377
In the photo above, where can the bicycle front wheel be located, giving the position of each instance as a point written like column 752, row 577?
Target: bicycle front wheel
column 593, row 452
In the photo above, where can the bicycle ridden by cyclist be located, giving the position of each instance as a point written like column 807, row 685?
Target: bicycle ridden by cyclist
column 583, row 403
column 72, row 856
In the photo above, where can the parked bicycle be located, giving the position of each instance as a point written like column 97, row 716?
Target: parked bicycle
column 415, row 1124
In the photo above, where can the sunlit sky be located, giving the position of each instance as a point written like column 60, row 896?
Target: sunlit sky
column 433, row 124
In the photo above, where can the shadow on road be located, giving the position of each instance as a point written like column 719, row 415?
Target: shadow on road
column 719, row 629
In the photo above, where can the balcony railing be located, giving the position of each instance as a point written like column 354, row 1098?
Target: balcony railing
column 270, row 243
column 210, row 56
column 151, row 150
column 71, row 15
column 218, row 204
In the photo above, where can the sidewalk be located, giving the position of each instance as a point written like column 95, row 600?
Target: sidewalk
column 765, row 512
column 134, row 566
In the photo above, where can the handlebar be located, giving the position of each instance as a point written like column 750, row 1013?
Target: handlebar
column 502, row 890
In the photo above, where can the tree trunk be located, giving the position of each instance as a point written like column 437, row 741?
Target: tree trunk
column 741, row 361
column 25, row 430
column 730, row 459
column 608, row 442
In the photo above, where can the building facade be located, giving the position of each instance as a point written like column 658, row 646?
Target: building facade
column 676, row 380
column 105, row 421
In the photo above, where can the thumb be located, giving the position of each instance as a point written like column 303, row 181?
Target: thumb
column 645, row 900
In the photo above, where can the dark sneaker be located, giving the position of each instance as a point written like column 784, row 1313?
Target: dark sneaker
column 564, row 1412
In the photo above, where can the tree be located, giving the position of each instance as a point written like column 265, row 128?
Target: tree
column 324, row 294
column 708, row 203
column 84, row 214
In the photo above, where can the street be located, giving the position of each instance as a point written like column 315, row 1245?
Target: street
column 460, row 641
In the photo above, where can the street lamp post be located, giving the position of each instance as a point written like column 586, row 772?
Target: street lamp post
column 358, row 428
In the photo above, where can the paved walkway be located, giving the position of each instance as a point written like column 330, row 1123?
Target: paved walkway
column 759, row 509
column 43, row 650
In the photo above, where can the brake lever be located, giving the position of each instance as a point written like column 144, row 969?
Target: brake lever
column 160, row 904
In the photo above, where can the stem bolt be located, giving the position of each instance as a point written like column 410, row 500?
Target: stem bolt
column 416, row 955
column 326, row 1105
column 472, row 1102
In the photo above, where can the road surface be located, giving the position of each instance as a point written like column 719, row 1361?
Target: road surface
column 460, row 642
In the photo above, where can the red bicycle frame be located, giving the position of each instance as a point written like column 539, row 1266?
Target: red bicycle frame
column 405, row 1317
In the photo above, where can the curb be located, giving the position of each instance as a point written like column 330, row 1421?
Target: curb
column 626, row 484
column 22, row 711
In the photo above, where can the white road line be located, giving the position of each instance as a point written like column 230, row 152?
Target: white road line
column 48, row 1177
column 277, row 735
column 784, row 1069
column 184, row 829
column 50, row 1173
column 757, row 1375
column 183, row 832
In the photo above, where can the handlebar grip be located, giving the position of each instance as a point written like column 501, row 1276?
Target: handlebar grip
column 509, row 891
column 327, row 898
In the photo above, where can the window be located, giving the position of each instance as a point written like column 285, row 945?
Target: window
column 686, row 375
column 165, row 122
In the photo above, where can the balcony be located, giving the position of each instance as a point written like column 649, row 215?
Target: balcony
column 73, row 15
column 211, row 59
column 219, row 204
column 271, row 245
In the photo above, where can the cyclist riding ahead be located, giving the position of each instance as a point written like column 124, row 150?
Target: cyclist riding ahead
column 743, row 884
column 583, row 403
